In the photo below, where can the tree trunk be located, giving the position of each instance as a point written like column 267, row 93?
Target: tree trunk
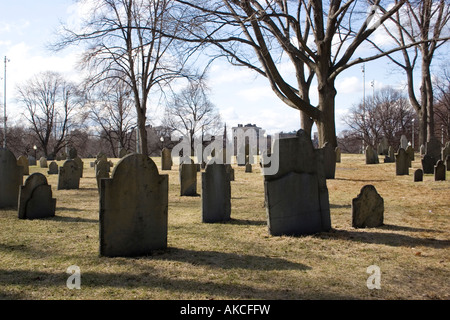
column 306, row 123
column 142, row 132
column 422, row 127
column 326, row 124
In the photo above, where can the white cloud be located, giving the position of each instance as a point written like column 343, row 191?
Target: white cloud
column 348, row 85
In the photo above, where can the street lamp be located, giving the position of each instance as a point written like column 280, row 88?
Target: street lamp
column 413, row 133
column 35, row 148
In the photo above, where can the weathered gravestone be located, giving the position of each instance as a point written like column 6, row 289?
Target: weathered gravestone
column 31, row 161
column 403, row 142
column 390, row 157
column 23, row 161
column 401, row 163
column 166, row 159
column 43, row 162
column 133, row 208
column 52, row 168
column 101, row 171
column 11, row 178
column 439, row 171
column 434, row 148
column 73, row 153
column 296, row 197
column 329, row 160
column 418, row 175
column 384, row 147
column 248, row 168
column 35, row 198
column 338, row 154
column 428, row 163
column 371, row 156
column 80, row 165
column 188, row 179
column 367, row 208
column 410, row 152
column 216, row 193
column 69, row 176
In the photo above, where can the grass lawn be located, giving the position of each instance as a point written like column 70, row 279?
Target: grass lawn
column 239, row 259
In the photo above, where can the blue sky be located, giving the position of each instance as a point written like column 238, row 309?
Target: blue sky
column 241, row 96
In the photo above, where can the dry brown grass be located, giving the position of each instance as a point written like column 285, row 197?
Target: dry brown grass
column 238, row 259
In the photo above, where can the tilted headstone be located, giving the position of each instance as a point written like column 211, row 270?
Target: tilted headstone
column 166, row 159
column 367, row 208
column 11, row 178
column 69, row 176
column 216, row 194
column 188, row 179
column 403, row 142
column 329, row 160
column 52, row 168
column 248, row 168
column 35, row 198
column 428, row 163
column 296, row 196
column 101, row 171
column 338, row 154
column 402, row 163
column 434, row 148
column 31, row 161
column 43, row 162
column 23, row 161
column 439, row 171
column 418, row 175
column 80, row 165
column 133, row 208
column 371, row 156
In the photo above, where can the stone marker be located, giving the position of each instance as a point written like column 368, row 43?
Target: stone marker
column 390, row 157
column 216, row 193
column 133, row 208
column 418, row 175
column 371, row 156
column 410, row 152
column 422, row 150
column 73, row 153
column 80, row 165
column 188, row 179
column 434, row 148
column 428, row 163
column 11, row 178
column 401, row 163
column 368, row 208
column 23, row 161
column 43, row 162
column 166, row 159
column 35, row 198
column 338, row 154
column 53, row 168
column 329, row 160
column 439, row 171
column 248, row 168
column 101, row 171
column 69, row 176
column 230, row 171
column 31, row 161
column 384, row 146
column 403, row 142
column 296, row 197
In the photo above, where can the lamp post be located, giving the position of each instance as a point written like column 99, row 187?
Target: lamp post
column 4, row 106
column 413, row 133
column 35, row 148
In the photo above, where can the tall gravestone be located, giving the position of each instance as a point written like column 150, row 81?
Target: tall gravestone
column 401, row 163
column 216, row 193
column 434, row 149
column 418, row 175
column 188, row 179
column 329, row 160
column 410, row 152
column 403, row 142
column 101, row 171
column 133, row 208
column 296, row 197
column 367, row 208
column 439, row 171
column 43, row 162
column 166, row 159
column 428, row 163
column 69, row 176
column 230, row 171
column 23, row 161
column 11, row 178
column 80, row 165
column 35, row 198
column 384, row 146
column 52, row 168
column 371, row 156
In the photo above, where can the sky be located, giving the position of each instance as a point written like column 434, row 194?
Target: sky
column 27, row 26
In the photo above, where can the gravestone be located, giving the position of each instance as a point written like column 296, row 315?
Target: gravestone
column 101, row 171
column 422, row 150
column 418, row 175
column 445, row 151
column 248, row 168
column 230, row 171
column 439, row 171
column 35, row 198
column 69, row 176
column 43, row 162
column 296, row 196
column 23, row 161
column 53, row 168
column 371, row 156
column 138, row 229
column 11, row 178
column 384, row 146
column 403, row 142
column 402, row 163
column 434, row 148
column 216, row 193
column 390, row 157
column 166, row 159
column 410, row 152
column 367, row 208
column 80, row 165
column 31, row 161
column 73, row 153
column 188, row 179
column 329, row 160
column 428, row 163
column 447, row 162
column 338, row 154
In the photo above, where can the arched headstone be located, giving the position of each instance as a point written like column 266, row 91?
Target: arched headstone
column 35, row 198
column 23, row 161
column 69, row 176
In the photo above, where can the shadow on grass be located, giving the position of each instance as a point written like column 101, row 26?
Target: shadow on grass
column 72, row 219
column 245, row 222
column 362, row 180
column 338, row 206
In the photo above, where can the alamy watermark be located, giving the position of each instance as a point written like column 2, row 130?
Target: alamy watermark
column 74, row 281
column 374, row 280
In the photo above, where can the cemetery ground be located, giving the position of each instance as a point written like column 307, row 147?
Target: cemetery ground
column 239, row 259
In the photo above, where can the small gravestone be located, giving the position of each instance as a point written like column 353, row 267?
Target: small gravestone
column 216, row 194
column 80, row 165
column 188, row 179
column 439, row 171
column 69, row 176
column 43, row 162
column 410, row 152
column 35, row 198
column 338, row 154
column 31, row 161
column 428, row 163
column 230, row 171
column 133, row 209
column 329, row 160
column 248, row 168
column 11, row 178
column 101, row 171
column 73, row 153
column 367, row 208
column 23, row 161
column 418, row 175
column 53, row 168
column 403, row 142
column 447, row 162
column 401, row 163
column 371, row 156
column 166, row 159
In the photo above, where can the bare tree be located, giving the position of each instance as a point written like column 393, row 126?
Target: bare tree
column 122, row 40
column 51, row 104
column 442, row 103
